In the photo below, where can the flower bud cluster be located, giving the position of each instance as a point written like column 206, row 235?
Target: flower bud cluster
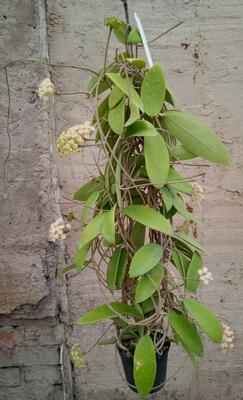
column 58, row 230
column 46, row 89
column 228, row 338
column 74, row 138
column 205, row 275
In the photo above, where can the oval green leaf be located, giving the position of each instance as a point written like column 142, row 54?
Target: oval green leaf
column 156, row 159
column 88, row 207
column 81, row 254
column 134, row 37
column 145, row 259
column 186, row 332
column 144, row 369
column 178, row 182
column 205, row 318
column 196, row 136
column 153, row 91
column 167, row 198
column 148, row 284
column 150, row 218
column 178, row 204
column 121, row 32
column 181, row 153
column 108, row 225
column 91, row 230
column 88, row 188
column 141, row 128
column 126, row 86
column 116, row 117
column 107, row 311
column 192, row 273
column 190, row 241
column 121, row 268
column 115, row 96
column 112, row 269
column 134, row 113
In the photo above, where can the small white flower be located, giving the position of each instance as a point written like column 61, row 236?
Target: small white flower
column 205, row 275
column 197, row 193
column 46, row 89
column 58, row 230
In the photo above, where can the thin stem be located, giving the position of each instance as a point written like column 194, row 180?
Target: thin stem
column 51, row 65
column 163, row 33
column 107, row 48
column 70, row 93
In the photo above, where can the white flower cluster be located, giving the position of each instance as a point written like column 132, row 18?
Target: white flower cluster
column 46, row 89
column 197, row 193
column 228, row 338
column 205, row 275
column 74, row 138
column 58, row 230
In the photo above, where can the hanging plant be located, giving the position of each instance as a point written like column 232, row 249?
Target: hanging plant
column 150, row 265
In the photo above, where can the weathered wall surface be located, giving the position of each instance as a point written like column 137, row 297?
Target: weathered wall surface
column 36, row 307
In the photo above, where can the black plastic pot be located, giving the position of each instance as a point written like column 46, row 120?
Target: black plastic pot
column 127, row 363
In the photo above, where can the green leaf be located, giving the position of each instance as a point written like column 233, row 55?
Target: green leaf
column 153, row 91
column 134, row 113
column 178, row 204
column 113, row 269
column 88, row 207
column 81, row 254
column 96, row 184
column 149, row 304
column 116, row 117
column 144, row 365
column 126, row 86
column 91, row 230
column 205, row 318
column 138, row 235
column 178, row 182
column 141, row 128
column 156, row 159
column 181, row 262
column 169, row 97
column 181, row 153
column 136, row 62
column 186, row 332
column 92, row 85
column 192, row 273
column 115, row 97
column 150, row 218
column 107, row 311
column 148, row 283
column 108, row 225
column 145, row 259
column 121, row 32
column 190, row 241
column 182, row 248
column 118, row 181
column 121, row 268
column 196, row 136
column 134, row 37
column 167, row 198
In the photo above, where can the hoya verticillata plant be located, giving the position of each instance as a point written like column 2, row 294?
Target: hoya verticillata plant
column 149, row 264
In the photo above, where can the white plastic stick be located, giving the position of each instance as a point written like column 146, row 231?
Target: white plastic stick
column 144, row 40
